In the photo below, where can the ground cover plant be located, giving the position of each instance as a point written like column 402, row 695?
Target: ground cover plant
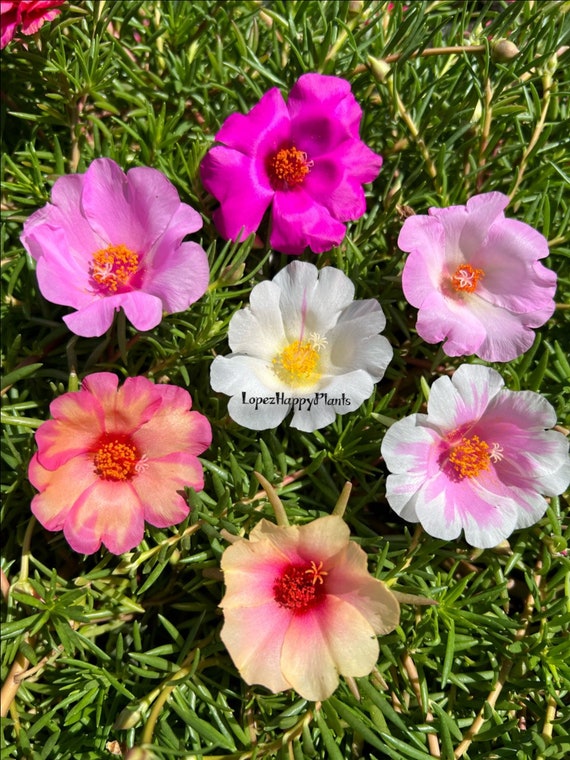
column 118, row 652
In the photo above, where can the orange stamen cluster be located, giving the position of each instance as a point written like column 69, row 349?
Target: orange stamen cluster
column 466, row 278
column 469, row 457
column 113, row 267
column 297, row 364
column 300, row 588
column 115, row 457
column 288, row 167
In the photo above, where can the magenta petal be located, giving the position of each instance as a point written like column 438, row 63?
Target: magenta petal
column 260, row 131
column 297, row 222
column 225, row 173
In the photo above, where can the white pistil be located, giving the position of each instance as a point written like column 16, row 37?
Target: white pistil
column 496, row 453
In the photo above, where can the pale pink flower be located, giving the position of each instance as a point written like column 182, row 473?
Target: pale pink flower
column 29, row 15
column 301, row 608
column 110, row 240
column 112, row 458
column 476, row 278
column 479, row 460
column 304, row 160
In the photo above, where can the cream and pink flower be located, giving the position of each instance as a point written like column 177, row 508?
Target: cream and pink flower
column 481, row 460
column 112, row 458
column 301, row 608
column 109, row 241
column 27, row 16
column 304, row 160
column 476, row 278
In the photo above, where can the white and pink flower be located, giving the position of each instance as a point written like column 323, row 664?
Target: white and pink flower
column 476, row 278
column 481, row 460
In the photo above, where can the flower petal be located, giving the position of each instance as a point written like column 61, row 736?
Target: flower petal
column 108, row 512
column 60, row 489
column 225, row 172
column 254, row 638
column 131, row 209
column 297, row 222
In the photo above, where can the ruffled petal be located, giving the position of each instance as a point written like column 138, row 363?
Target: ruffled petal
column 464, row 398
column 78, row 421
column 263, row 130
column 297, row 222
column 443, row 319
column 514, row 279
column 182, row 278
column 60, row 489
column 131, row 209
column 258, row 330
column 160, row 484
column 348, row 579
column 312, row 300
column 108, row 512
column 225, row 174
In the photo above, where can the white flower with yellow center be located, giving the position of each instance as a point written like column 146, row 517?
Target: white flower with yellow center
column 303, row 345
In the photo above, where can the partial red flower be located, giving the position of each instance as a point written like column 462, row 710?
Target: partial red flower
column 29, row 15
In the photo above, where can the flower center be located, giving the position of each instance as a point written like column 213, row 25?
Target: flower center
column 466, row 278
column 470, row 456
column 297, row 364
column 300, row 587
column 113, row 267
column 116, row 457
column 288, row 168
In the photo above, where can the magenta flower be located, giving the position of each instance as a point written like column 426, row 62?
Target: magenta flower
column 303, row 158
column 110, row 240
column 476, row 278
column 301, row 608
column 479, row 460
column 29, row 15
column 112, row 458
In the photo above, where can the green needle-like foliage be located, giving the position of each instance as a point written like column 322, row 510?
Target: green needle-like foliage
column 116, row 653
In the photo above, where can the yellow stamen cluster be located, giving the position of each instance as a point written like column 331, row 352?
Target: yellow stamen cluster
column 298, row 363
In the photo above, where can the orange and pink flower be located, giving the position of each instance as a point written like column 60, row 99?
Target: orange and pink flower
column 301, row 609
column 112, row 458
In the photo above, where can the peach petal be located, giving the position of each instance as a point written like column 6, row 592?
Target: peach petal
column 254, row 637
column 250, row 571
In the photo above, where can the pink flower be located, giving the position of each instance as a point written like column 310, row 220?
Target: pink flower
column 30, row 15
column 301, row 608
column 112, row 458
column 304, row 159
column 110, row 240
column 476, row 278
column 478, row 461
